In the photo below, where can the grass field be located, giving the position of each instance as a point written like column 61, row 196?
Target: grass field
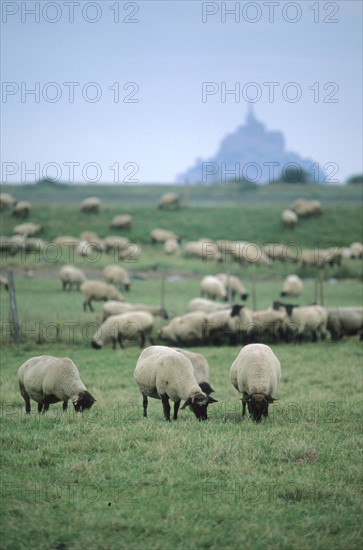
column 109, row 479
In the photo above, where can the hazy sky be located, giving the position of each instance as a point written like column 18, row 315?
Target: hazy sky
column 136, row 72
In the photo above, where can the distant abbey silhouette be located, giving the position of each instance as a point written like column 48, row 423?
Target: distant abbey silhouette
column 254, row 153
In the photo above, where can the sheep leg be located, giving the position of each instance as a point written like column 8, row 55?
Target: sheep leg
column 40, row 407
column 25, row 397
column 64, row 284
column 65, row 406
column 113, row 343
column 144, row 405
column 166, row 406
column 90, row 306
column 119, row 339
column 176, row 409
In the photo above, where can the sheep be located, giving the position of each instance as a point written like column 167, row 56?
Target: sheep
column 114, row 308
column 47, row 380
column 304, row 208
column 162, row 235
column 281, row 252
column 233, row 285
column 247, row 253
column 130, row 253
column 345, row 321
column 292, row 286
column 169, row 201
column 163, row 373
column 200, row 368
column 307, row 320
column 131, row 325
column 171, row 246
column 356, row 250
column 217, row 327
column 97, row 290
column 117, row 275
column 114, row 242
column 28, row 229
column 34, row 245
column 241, row 321
column 71, row 276
column 91, row 205
column 212, row 287
column 11, row 245
column 321, row 257
column 270, row 322
column 185, row 329
column 21, row 209
column 289, row 218
column 208, row 306
column 123, row 221
column 256, row 373
column 4, row 282
column 6, row 200
column 206, row 250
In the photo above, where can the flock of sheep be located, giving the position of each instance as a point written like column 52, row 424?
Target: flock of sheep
column 162, row 373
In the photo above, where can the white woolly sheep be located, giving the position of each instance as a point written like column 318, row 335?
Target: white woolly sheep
column 185, row 329
column 47, row 380
column 117, row 275
column 133, row 325
column 114, row 242
column 171, row 246
column 97, row 290
column 356, row 250
column 292, row 286
column 233, row 285
column 345, row 321
column 208, row 306
column 200, row 368
column 256, row 373
column 115, row 308
column 162, row 235
column 307, row 320
column 320, row 257
column 6, row 200
column 206, row 250
column 130, row 253
column 28, row 229
column 163, row 373
column 122, row 221
column 169, row 201
column 212, row 287
column 21, row 209
column 91, row 205
column 268, row 323
column 71, row 276
column 289, row 218
column 281, row 252
column 4, row 282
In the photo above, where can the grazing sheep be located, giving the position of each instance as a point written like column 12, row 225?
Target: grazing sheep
column 289, row 218
column 169, row 201
column 281, row 252
column 130, row 326
column 320, row 257
column 123, row 221
column 12, row 245
column 114, row 242
column 114, row 308
column 307, row 320
column 208, row 306
column 206, row 250
column 91, row 205
column 71, row 276
column 97, row 290
column 345, row 321
column 200, row 368
column 48, row 380
column 162, row 235
column 218, row 326
column 268, row 322
column 4, row 282
column 130, row 253
column 356, row 250
column 28, row 229
column 256, row 373
column 185, row 329
column 6, row 200
column 293, row 286
column 233, row 285
column 171, row 246
column 304, row 208
column 212, row 287
column 241, row 321
column 117, row 275
column 163, row 373
column 21, row 209
column 247, row 253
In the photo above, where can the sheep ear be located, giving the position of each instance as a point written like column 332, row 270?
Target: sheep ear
column 212, row 400
column 271, row 399
column 187, row 403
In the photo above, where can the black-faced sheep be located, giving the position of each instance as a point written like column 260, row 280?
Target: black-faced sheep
column 185, row 329
column 71, row 276
column 211, row 287
column 233, row 285
column 133, row 325
column 163, row 373
column 117, row 275
column 48, row 380
column 255, row 373
column 345, row 321
column 292, row 286
column 122, row 221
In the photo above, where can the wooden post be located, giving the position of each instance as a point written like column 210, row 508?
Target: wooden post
column 321, row 285
column 14, row 310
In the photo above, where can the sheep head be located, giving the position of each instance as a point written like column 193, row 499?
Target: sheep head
column 84, row 401
column 258, row 405
column 198, row 403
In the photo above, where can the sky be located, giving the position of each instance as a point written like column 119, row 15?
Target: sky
column 127, row 92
